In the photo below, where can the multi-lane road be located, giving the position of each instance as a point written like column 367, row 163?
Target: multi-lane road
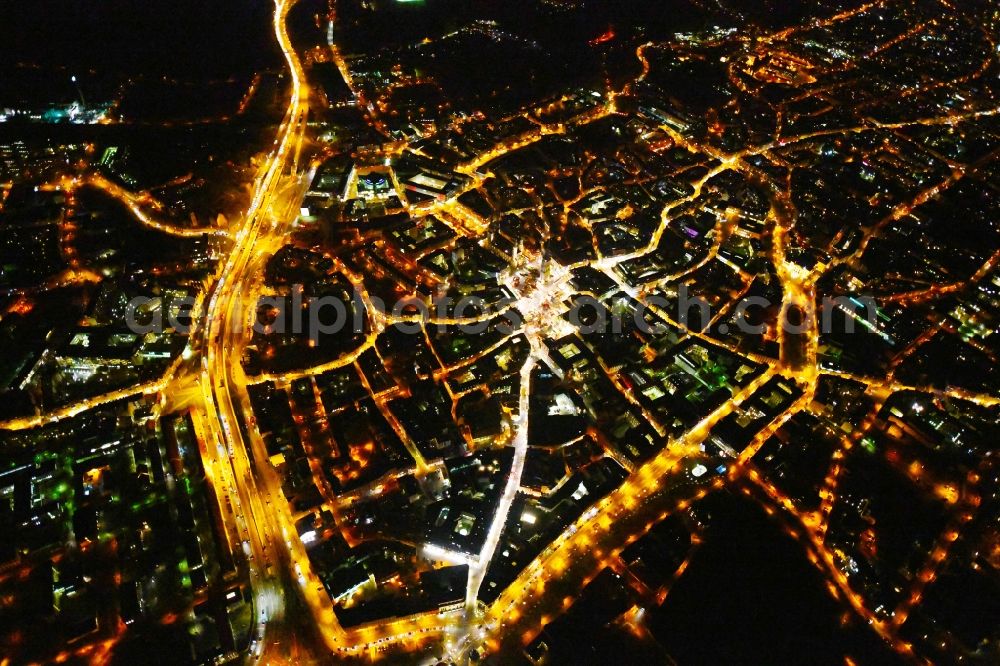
column 236, row 457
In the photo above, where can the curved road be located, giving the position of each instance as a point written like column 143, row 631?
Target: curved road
column 236, row 456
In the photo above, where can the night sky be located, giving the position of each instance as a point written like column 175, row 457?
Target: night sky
column 121, row 38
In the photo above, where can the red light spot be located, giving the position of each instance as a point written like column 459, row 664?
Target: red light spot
column 603, row 38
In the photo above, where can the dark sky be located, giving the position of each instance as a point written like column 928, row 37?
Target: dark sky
column 187, row 38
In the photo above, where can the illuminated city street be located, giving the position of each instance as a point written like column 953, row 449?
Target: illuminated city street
column 406, row 331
